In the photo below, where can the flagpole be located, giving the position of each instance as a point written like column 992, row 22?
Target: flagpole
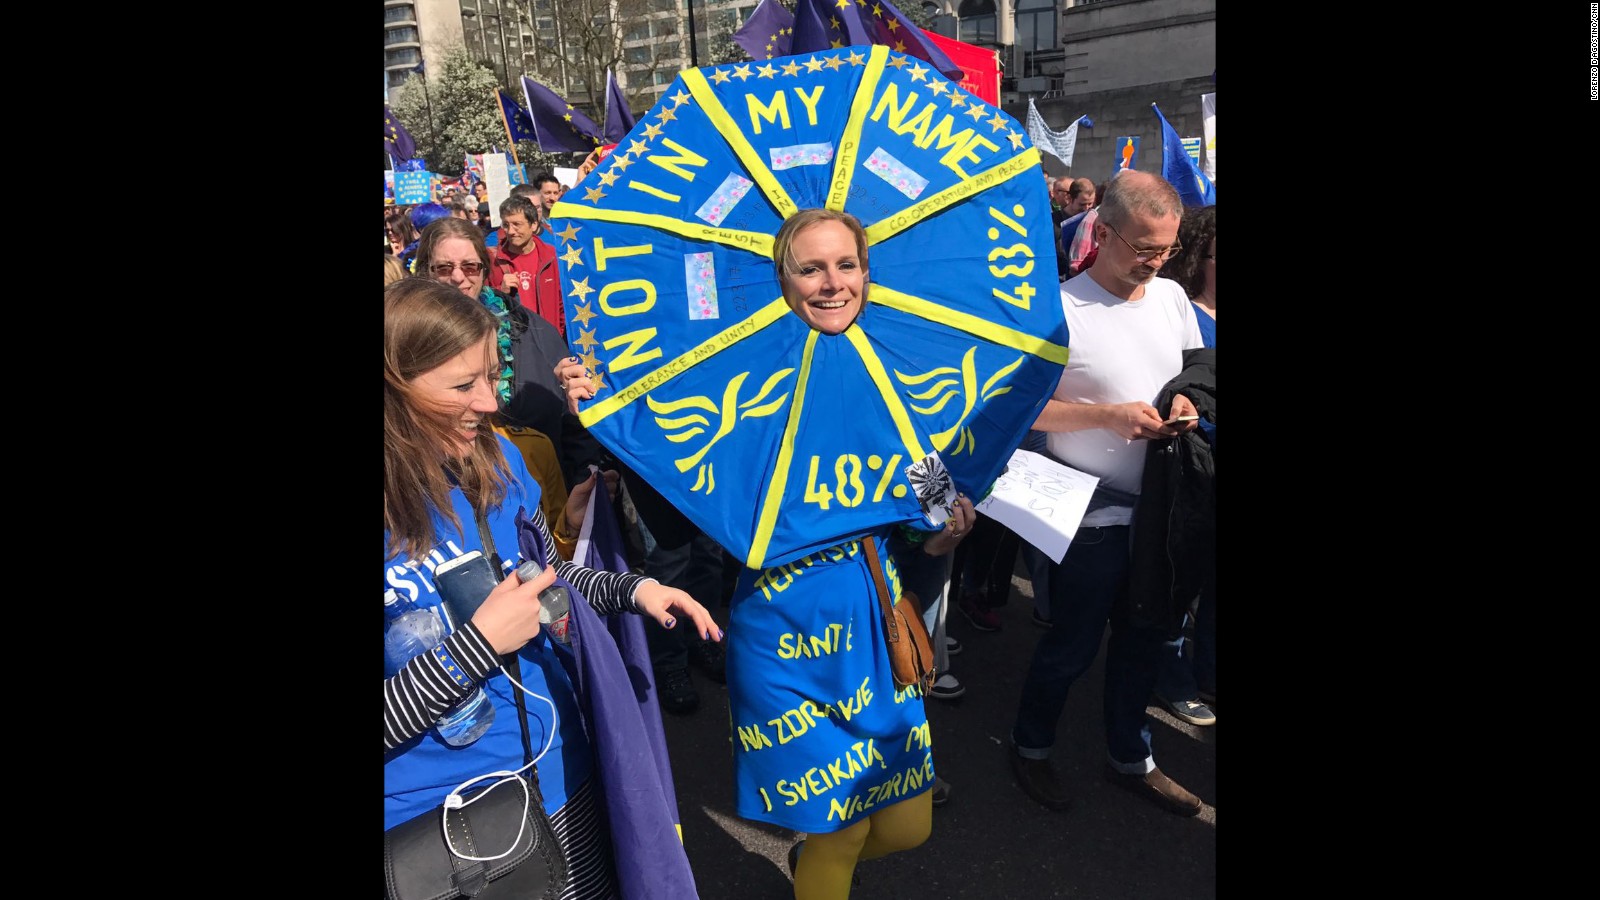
column 433, row 132
column 500, row 105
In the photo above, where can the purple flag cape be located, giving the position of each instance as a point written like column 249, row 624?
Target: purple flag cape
column 617, row 696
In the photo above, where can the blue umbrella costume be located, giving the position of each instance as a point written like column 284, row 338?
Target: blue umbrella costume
column 786, row 445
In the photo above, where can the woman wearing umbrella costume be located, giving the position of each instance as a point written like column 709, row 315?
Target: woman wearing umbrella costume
column 735, row 352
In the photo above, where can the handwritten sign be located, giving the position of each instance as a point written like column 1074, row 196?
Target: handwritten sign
column 1041, row 500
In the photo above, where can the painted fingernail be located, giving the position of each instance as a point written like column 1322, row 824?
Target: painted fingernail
column 720, row 634
column 671, row 622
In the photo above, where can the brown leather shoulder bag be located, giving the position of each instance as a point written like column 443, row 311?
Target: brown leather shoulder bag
column 910, row 651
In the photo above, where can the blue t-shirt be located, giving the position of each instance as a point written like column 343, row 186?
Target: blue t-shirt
column 418, row 774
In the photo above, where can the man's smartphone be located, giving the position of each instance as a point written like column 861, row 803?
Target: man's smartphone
column 1175, row 420
column 463, row 584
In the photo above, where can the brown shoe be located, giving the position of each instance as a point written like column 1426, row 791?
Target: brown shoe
column 1038, row 780
column 1160, row 789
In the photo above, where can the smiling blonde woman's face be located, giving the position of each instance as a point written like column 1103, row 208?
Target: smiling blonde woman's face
column 824, row 281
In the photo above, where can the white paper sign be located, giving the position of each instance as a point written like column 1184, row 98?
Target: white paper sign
column 497, row 175
column 566, row 176
column 1041, row 500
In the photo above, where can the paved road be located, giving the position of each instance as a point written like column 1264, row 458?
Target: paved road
column 990, row 841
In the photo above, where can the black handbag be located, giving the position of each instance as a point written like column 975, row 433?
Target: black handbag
column 418, row 863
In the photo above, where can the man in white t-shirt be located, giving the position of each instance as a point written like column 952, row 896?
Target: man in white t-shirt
column 1127, row 332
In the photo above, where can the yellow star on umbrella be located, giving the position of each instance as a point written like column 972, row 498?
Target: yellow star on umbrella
column 767, row 71
column 592, row 362
column 586, row 340
column 581, row 290
column 956, row 98
column 653, row 130
column 622, row 163
column 720, row 76
column 917, row 72
column 570, row 233
column 899, row 62
column 813, row 65
column 975, row 111
column 584, row 315
column 856, row 59
column 594, row 194
column 668, row 115
column 679, row 99
column 742, row 73
column 637, row 147
column 834, row 63
column 597, row 382
column 610, row 178
column 935, row 86
column 1016, row 139
column 573, row 257
column 791, row 68
column 998, row 122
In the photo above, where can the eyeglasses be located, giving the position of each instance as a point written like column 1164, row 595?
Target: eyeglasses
column 1145, row 256
column 443, row 270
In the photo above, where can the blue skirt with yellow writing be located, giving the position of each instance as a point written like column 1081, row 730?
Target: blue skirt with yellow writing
column 821, row 738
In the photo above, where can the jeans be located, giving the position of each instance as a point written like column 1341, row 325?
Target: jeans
column 1189, row 666
column 1088, row 589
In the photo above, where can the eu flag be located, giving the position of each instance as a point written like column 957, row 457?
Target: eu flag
column 1194, row 188
column 619, row 117
column 397, row 141
column 824, row 25
column 518, row 126
column 768, row 32
column 556, row 124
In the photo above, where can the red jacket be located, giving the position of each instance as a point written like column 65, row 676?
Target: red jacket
column 534, row 276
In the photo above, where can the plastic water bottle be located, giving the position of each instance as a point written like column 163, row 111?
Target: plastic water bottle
column 412, row 630
column 555, row 603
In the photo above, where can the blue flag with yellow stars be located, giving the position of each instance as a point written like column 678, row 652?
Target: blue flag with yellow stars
column 778, row 440
column 557, row 125
column 619, row 117
column 825, row 24
column 768, row 32
column 397, row 140
column 518, row 126
column 1180, row 169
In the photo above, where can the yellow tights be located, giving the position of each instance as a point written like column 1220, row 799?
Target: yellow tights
column 829, row 860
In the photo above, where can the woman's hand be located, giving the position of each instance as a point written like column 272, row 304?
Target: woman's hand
column 660, row 602
column 509, row 617
column 588, row 165
column 578, row 499
column 958, row 526
column 573, row 377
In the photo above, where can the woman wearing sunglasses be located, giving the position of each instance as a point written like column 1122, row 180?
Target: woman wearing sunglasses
column 452, row 251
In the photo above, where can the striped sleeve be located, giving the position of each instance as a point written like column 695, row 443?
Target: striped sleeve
column 432, row 682
column 609, row 593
